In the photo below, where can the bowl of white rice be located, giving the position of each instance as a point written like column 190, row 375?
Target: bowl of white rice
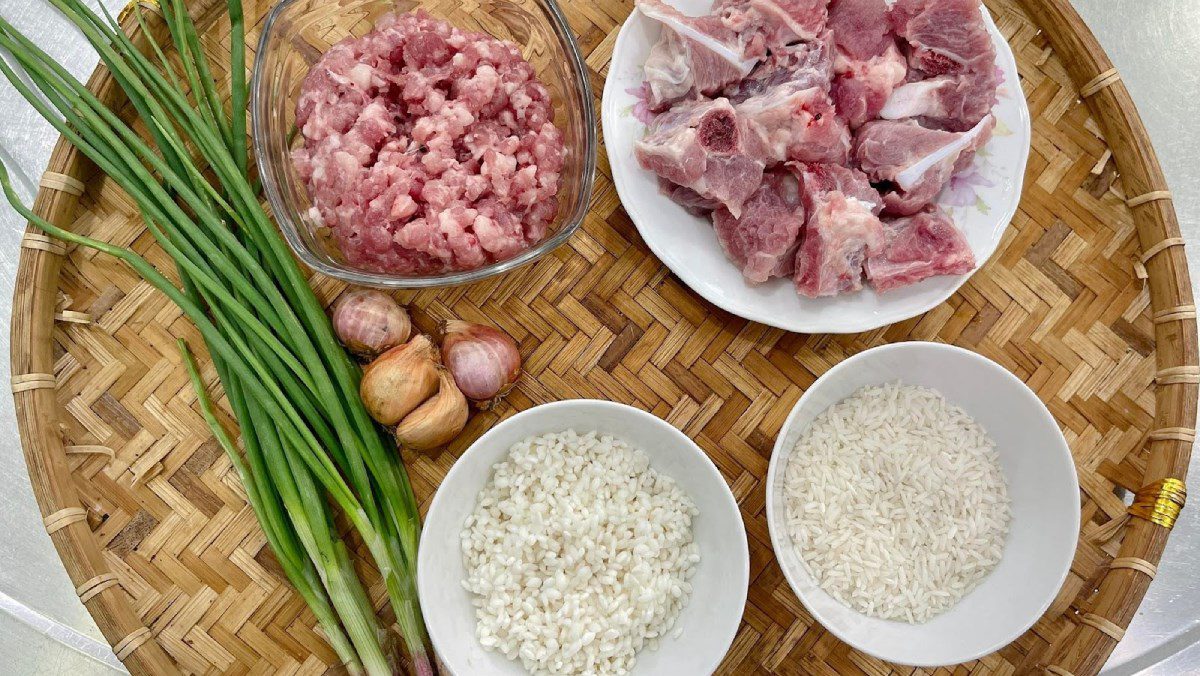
column 923, row 504
column 583, row 536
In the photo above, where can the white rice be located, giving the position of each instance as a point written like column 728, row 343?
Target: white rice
column 578, row 554
column 896, row 502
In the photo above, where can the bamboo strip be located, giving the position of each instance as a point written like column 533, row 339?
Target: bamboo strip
column 32, row 381
column 1160, row 247
column 1175, row 314
column 1152, row 196
column 1105, row 79
column 1177, row 433
column 1134, row 563
column 42, row 242
column 130, row 643
column 63, row 518
column 93, row 587
column 52, row 180
column 1178, row 375
column 1104, row 625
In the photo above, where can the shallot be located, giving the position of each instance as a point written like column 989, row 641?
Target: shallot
column 484, row 361
column 369, row 322
column 400, row 380
column 437, row 421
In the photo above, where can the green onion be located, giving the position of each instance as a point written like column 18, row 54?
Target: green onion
column 309, row 445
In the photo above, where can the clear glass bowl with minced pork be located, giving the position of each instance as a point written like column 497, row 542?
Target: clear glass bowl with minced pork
column 298, row 33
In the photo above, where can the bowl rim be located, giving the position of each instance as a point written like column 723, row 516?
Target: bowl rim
column 290, row 230
column 777, row 528
column 727, row 502
column 802, row 323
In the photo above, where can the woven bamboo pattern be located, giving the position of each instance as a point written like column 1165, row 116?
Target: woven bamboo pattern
column 169, row 559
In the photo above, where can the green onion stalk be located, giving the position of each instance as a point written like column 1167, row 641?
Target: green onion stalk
column 309, row 451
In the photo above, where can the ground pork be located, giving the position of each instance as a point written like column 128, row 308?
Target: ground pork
column 428, row 149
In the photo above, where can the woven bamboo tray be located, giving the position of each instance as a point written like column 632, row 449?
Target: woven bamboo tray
column 1088, row 300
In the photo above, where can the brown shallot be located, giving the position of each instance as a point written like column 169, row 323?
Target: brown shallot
column 484, row 361
column 437, row 421
column 369, row 322
column 400, row 380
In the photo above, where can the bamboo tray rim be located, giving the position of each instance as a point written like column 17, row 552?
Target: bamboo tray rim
column 1096, row 631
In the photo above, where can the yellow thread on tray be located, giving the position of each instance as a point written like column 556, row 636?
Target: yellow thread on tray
column 1160, row 502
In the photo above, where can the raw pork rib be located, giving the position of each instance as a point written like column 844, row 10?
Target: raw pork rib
column 805, row 65
column 779, row 22
column 763, row 241
column 692, row 202
column 916, row 247
column 916, row 162
column 705, row 146
column 861, row 88
column 944, row 36
column 797, row 124
column 841, row 231
column 867, row 63
column 953, row 102
column 793, row 124
column 695, row 54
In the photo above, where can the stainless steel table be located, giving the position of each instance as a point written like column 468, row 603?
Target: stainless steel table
column 45, row 630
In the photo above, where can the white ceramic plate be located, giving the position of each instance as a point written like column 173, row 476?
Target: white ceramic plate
column 1042, row 487
column 982, row 201
column 710, row 620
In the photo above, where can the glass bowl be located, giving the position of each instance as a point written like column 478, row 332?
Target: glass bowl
column 296, row 34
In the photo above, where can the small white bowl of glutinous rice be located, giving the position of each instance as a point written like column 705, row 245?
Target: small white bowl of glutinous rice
column 923, row 504
column 583, row 537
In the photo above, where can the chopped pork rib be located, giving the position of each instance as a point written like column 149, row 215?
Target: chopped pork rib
column 860, row 28
column 944, row 36
column 867, row 63
column 861, row 88
column 762, row 242
column 793, row 124
column 692, row 202
column 953, row 77
column 952, row 102
column 917, row 247
column 817, row 178
column 841, row 229
column 696, row 54
column 779, row 22
column 797, row 124
column 913, row 161
column 705, row 146
column 808, row 64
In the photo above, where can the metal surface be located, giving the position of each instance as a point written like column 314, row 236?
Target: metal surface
column 44, row 629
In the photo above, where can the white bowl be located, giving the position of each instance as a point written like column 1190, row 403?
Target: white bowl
column 1042, row 486
column 709, row 621
column 982, row 201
